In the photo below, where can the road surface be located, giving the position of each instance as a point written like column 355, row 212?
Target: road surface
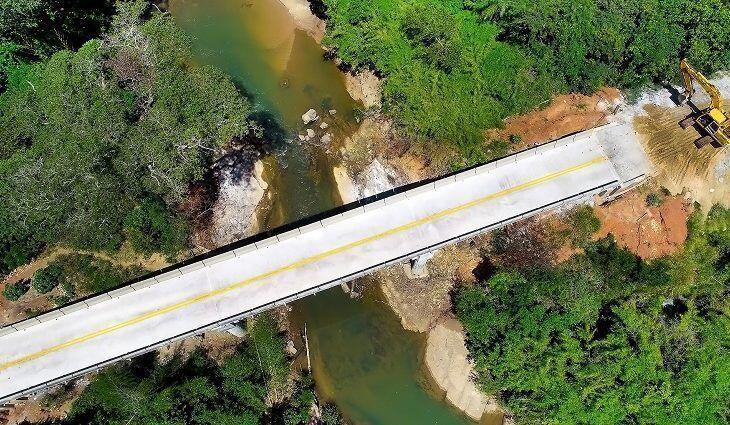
column 251, row 278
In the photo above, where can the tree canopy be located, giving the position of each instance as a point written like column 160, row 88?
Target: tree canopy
column 447, row 75
column 198, row 391
column 608, row 338
column 454, row 68
column 626, row 43
column 107, row 138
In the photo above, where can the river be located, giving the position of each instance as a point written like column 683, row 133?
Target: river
column 362, row 359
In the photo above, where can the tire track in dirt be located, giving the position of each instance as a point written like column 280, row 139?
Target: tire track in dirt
column 679, row 164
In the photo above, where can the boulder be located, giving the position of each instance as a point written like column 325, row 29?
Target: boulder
column 332, row 111
column 323, row 125
column 302, row 137
column 290, row 349
column 310, row 133
column 327, row 138
column 310, row 116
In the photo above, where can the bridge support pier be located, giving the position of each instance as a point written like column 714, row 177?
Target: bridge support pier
column 416, row 267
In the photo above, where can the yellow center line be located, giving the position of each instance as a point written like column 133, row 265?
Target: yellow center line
column 298, row 264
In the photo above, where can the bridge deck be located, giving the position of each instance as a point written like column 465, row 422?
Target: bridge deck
column 83, row 336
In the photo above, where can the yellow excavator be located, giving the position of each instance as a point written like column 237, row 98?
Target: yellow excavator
column 713, row 122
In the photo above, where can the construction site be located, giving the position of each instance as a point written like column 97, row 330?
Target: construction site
column 334, row 212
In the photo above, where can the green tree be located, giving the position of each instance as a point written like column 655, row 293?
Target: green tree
column 447, row 76
column 121, row 127
column 151, row 227
column 13, row 291
column 297, row 409
column 47, row 278
column 43, row 27
column 609, row 338
column 628, row 43
column 454, row 68
column 197, row 390
column 35, row 29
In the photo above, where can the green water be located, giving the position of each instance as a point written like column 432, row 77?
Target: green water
column 363, row 359
column 368, row 364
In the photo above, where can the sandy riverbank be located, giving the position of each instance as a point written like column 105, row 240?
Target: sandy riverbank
column 448, row 363
column 304, row 19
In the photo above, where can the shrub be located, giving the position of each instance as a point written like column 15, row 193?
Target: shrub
column 331, row 415
column 268, row 344
column 13, row 291
column 47, row 278
column 86, row 274
column 654, row 199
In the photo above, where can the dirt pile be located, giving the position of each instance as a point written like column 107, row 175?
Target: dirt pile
column 218, row 345
column 45, row 408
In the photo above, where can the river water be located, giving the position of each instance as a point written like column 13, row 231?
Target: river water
column 362, row 359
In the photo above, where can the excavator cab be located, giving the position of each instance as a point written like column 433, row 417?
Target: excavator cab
column 713, row 122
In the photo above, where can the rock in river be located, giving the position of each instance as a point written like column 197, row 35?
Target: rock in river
column 310, row 116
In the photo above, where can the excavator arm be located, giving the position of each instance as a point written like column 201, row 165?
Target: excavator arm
column 713, row 122
column 690, row 74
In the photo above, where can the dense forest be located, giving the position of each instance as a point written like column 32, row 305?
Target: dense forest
column 98, row 145
column 606, row 337
column 456, row 67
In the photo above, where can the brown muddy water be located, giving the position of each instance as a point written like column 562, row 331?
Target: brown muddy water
column 363, row 360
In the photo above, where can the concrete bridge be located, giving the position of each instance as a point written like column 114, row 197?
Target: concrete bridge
column 292, row 262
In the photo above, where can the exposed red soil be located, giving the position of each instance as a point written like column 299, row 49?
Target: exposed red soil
column 649, row 232
column 565, row 114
